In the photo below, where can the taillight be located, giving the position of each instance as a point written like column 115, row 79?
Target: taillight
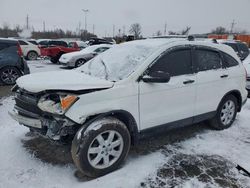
column 19, row 50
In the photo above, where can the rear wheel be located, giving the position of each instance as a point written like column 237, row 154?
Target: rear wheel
column 32, row 55
column 226, row 113
column 9, row 75
column 101, row 148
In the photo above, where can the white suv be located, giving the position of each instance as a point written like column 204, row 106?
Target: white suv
column 30, row 51
column 130, row 91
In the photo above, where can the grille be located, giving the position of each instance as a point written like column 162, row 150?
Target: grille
column 26, row 103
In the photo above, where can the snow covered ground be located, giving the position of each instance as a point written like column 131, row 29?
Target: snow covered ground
column 207, row 158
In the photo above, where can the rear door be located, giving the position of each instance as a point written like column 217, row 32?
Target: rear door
column 212, row 79
column 162, row 103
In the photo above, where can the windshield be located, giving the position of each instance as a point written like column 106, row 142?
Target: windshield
column 120, row 61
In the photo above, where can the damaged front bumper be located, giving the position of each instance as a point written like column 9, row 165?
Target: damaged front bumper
column 53, row 127
column 27, row 113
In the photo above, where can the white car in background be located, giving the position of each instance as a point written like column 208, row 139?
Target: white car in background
column 246, row 64
column 76, row 59
column 30, row 51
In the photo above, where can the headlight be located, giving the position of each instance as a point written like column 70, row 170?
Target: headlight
column 56, row 103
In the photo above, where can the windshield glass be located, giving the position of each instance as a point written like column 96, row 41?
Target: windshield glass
column 120, row 61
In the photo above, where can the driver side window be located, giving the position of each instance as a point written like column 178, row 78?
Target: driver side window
column 177, row 62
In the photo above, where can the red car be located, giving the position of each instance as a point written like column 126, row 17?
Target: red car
column 55, row 49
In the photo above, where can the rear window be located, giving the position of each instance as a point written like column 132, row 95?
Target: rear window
column 33, row 42
column 233, row 45
column 207, row 59
column 59, row 43
column 243, row 47
column 229, row 60
column 21, row 42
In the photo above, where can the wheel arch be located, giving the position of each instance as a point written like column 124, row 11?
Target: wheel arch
column 124, row 116
column 237, row 95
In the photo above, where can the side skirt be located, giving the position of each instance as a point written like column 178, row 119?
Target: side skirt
column 160, row 129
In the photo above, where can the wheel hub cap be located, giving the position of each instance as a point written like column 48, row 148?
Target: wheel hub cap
column 105, row 149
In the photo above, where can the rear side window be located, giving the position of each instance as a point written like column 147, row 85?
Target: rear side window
column 175, row 63
column 207, row 60
column 3, row 46
column 243, row 47
column 21, row 42
column 59, row 43
column 232, row 45
column 229, row 60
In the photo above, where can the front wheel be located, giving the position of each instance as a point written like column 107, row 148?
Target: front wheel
column 80, row 62
column 226, row 113
column 102, row 147
column 9, row 75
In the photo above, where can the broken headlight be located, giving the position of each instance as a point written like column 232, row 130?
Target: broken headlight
column 56, row 103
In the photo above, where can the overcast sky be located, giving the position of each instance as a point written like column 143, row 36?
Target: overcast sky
column 201, row 15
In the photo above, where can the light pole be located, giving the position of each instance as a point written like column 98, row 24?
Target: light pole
column 85, row 12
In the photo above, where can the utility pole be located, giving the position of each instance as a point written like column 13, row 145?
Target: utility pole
column 232, row 26
column 43, row 26
column 165, row 29
column 113, row 31
column 27, row 21
column 86, row 11
column 93, row 28
column 124, row 29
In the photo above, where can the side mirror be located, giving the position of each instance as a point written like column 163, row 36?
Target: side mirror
column 156, row 77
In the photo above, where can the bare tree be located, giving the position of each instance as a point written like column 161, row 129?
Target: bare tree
column 220, row 30
column 185, row 31
column 135, row 29
column 182, row 32
column 158, row 33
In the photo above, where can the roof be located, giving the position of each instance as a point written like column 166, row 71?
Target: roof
column 8, row 40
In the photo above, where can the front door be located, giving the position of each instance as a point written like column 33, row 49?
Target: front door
column 162, row 103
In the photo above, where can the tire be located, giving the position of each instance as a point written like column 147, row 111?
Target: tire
column 9, row 75
column 226, row 113
column 80, row 62
column 92, row 163
column 32, row 55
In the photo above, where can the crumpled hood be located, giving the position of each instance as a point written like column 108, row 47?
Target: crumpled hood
column 61, row 80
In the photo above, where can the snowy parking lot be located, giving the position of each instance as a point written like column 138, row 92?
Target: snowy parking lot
column 194, row 156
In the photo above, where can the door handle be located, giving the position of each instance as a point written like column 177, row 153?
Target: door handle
column 188, row 82
column 224, row 76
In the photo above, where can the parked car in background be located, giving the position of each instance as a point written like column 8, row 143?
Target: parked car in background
column 44, row 43
column 131, row 91
column 30, row 51
column 12, row 64
column 246, row 64
column 96, row 41
column 78, row 44
column 55, row 48
column 239, row 47
column 33, row 41
column 76, row 59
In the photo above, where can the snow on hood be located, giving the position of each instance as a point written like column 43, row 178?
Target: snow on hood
column 61, row 80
